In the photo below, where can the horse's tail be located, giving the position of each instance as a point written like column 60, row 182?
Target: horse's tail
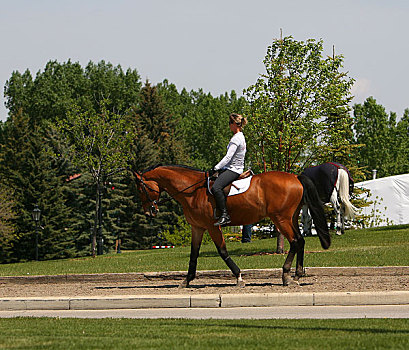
column 316, row 208
column 343, row 192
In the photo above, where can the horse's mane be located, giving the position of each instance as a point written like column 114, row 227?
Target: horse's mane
column 171, row 165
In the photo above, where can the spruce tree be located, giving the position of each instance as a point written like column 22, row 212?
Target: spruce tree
column 33, row 177
column 155, row 127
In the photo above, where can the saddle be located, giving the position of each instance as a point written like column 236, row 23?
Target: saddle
column 237, row 188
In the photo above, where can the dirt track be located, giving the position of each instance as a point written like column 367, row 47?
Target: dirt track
column 218, row 282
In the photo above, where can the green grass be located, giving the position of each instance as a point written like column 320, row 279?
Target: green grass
column 369, row 247
column 55, row 333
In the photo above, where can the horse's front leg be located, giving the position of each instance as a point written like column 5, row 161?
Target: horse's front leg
column 218, row 239
column 197, row 236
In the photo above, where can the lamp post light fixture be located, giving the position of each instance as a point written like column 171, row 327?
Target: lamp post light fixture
column 36, row 217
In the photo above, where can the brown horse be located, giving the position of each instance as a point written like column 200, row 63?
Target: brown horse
column 274, row 194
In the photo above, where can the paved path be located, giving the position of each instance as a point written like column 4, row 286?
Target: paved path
column 281, row 312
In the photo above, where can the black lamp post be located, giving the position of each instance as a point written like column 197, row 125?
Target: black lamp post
column 118, row 250
column 100, row 240
column 36, row 217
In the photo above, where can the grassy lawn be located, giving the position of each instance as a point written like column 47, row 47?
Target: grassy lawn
column 53, row 333
column 370, row 247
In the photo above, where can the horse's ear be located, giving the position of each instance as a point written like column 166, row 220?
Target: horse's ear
column 137, row 175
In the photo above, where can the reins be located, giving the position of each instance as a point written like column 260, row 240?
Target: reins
column 145, row 187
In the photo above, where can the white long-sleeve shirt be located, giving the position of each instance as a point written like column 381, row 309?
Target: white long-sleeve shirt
column 234, row 158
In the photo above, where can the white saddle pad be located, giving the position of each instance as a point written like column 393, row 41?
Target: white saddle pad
column 240, row 186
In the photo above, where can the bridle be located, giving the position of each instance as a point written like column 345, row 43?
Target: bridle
column 145, row 187
column 154, row 203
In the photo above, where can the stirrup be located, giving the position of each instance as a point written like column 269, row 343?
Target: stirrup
column 224, row 220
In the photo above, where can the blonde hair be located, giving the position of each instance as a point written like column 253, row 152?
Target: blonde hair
column 238, row 119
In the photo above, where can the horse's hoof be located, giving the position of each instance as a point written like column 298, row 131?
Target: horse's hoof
column 298, row 275
column 290, row 282
column 339, row 233
column 286, row 279
column 240, row 283
column 294, row 282
column 183, row 284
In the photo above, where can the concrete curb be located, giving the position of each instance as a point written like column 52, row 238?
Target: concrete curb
column 205, row 301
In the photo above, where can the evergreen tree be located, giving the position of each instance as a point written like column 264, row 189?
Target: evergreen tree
column 31, row 174
column 136, row 231
column 7, row 228
column 156, row 130
column 49, row 97
column 155, row 121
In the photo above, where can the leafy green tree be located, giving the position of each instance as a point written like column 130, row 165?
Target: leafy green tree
column 204, row 119
column 49, row 97
column 382, row 142
column 402, row 140
column 60, row 85
column 298, row 107
column 99, row 144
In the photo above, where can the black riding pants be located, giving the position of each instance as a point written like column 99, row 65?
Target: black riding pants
column 225, row 178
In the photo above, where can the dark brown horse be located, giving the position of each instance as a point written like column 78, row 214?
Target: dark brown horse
column 274, row 194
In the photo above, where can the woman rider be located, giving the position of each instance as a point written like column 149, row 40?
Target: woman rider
column 230, row 167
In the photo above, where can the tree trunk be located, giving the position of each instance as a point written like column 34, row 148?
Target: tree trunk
column 264, row 157
column 95, row 229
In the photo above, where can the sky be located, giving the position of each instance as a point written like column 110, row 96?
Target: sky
column 215, row 45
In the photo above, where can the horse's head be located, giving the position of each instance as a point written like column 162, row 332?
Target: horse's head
column 149, row 193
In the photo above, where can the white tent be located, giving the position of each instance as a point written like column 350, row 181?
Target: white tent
column 391, row 200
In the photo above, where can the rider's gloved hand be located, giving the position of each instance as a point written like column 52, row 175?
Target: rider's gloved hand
column 211, row 172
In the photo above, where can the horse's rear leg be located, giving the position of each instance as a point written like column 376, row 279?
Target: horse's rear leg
column 218, row 239
column 306, row 221
column 197, row 236
column 337, row 209
column 300, row 272
column 297, row 243
column 342, row 218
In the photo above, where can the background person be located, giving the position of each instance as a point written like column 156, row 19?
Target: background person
column 246, row 233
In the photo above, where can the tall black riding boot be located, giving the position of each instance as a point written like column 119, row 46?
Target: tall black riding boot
column 224, row 218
